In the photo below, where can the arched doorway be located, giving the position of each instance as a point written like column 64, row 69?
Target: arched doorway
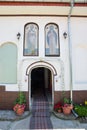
column 47, row 72
column 41, row 83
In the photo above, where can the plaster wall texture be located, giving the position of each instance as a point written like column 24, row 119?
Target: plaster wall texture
column 10, row 26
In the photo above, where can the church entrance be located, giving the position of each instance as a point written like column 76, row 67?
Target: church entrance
column 41, row 79
column 41, row 84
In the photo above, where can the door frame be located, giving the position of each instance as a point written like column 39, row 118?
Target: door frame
column 44, row 65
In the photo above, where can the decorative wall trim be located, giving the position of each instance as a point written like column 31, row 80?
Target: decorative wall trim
column 41, row 64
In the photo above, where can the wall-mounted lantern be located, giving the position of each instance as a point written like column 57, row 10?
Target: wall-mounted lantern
column 18, row 35
column 65, row 35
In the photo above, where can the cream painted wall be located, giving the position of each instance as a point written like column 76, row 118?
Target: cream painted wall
column 42, row 10
column 79, row 52
column 10, row 26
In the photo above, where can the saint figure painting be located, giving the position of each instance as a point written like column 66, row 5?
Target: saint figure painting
column 52, row 40
column 31, row 39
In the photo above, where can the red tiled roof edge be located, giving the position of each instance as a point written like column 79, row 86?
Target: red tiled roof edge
column 16, row 3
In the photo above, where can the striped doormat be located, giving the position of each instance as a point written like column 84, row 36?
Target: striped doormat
column 40, row 114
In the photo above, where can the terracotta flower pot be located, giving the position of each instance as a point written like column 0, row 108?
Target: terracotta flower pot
column 67, row 109
column 19, row 109
column 59, row 110
column 71, row 106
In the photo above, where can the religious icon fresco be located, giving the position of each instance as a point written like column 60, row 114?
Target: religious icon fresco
column 52, row 40
column 31, row 40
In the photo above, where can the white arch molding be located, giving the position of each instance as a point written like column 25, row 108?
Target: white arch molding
column 41, row 64
column 36, row 65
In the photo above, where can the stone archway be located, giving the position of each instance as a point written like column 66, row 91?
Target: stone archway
column 40, row 65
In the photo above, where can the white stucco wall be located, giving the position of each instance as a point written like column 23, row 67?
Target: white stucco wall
column 79, row 52
column 10, row 26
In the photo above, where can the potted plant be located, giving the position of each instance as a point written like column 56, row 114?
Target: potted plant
column 58, row 107
column 81, row 110
column 67, row 107
column 20, row 104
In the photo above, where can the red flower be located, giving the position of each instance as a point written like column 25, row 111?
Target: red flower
column 58, row 106
column 17, row 106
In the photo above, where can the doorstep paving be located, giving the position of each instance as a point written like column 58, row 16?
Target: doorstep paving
column 23, row 123
column 9, row 115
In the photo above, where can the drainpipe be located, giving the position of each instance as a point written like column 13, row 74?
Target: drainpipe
column 70, row 47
